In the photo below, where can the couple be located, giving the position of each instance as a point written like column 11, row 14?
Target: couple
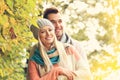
column 51, row 59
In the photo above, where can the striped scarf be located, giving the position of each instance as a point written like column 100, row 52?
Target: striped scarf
column 38, row 59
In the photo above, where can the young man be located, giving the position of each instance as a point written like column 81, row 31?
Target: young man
column 55, row 17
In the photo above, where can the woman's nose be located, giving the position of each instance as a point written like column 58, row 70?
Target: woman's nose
column 48, row 32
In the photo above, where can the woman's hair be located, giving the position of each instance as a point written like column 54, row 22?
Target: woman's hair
column 48, row 64
column 59, row 46
column 61, row 52
column 49, row 11
column 42, row 23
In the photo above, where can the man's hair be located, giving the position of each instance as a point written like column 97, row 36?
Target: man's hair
column 49, row 11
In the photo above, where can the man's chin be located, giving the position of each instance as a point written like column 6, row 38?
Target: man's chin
column 58, row 37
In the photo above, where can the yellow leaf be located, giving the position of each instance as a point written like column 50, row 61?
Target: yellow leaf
column 1, row 73
column 2, row 7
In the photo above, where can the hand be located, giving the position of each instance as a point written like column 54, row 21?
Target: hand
column 69, row 74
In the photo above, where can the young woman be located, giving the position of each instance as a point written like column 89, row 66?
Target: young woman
column 53, row 60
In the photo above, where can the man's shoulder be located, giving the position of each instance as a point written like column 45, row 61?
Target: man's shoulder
column 67, row 45
column 75, row 42
column 77, row 45
column 64, row 44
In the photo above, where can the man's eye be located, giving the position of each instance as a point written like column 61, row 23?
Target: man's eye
column 60, row 21
column 53, row 22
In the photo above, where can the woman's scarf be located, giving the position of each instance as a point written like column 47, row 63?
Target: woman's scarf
column 38, row 59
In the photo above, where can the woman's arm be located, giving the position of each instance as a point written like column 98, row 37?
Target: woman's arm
column 34, row 75
column 55, row 72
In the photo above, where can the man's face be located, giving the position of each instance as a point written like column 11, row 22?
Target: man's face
column 56, row 19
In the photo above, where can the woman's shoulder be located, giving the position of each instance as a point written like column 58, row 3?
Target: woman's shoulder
column 32, row 50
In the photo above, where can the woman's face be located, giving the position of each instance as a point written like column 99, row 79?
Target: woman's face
column 46, row 35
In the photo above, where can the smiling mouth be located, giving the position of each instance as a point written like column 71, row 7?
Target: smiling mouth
column 49, row 38
column 57, row 30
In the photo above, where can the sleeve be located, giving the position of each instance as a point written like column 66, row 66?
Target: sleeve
column 34, row 75
column 80, row 68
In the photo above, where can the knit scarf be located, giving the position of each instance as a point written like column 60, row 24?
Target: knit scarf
column 39, row 60
column 66, row 39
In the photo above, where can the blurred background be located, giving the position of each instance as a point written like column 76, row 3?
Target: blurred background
column 95, row 23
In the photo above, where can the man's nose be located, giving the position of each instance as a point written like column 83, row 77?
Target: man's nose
column 57, row 24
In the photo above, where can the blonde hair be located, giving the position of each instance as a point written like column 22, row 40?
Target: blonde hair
column 61, row 52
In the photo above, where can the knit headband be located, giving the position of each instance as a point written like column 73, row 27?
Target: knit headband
column 41, row 23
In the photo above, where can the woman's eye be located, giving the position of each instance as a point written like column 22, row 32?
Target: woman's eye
column 50, row 30
column 42, row 32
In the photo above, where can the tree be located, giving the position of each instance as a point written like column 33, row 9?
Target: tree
column 94, row 23
column 15, row 36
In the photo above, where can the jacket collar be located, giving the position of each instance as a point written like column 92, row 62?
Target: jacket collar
column 66, row 39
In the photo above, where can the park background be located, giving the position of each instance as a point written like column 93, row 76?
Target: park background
column 95, row 23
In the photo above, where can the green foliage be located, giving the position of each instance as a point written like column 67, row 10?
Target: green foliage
column 81, row 36
column 15, row 37
column 19, row 14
